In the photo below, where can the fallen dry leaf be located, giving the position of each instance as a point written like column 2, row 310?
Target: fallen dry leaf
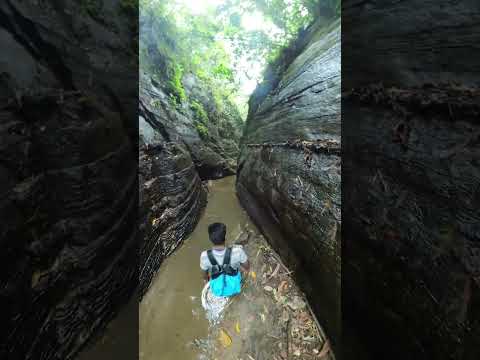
column 237, row 327
column 224, row 338
column 304, row 317
column 283, row 286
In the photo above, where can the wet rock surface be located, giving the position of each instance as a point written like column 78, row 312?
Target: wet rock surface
column 288, row 177
column 214, row 155
column 210, row 131
column 411, row 176
column 171, row 193
column 416, row 228
column 416, row 42
column 68, row 163
column 183, row 141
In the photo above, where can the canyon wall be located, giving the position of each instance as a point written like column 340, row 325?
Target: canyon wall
column 288, row 175
column 190, row 109
column 171, row 193
column 186, row 136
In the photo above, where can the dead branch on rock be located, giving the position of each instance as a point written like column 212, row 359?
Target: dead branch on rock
column 327, row 147
column 318, row 146
column 454, row 99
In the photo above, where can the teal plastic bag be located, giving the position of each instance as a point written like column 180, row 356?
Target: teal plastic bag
column 226, row 285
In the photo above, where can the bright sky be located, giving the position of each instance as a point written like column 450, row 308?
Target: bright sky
column 255, row 21
column 250, row 21
column 200, row 6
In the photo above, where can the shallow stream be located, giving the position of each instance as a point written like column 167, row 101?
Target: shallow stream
column 269, row 320
column 172, row 320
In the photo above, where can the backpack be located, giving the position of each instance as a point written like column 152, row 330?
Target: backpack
column 224, row 279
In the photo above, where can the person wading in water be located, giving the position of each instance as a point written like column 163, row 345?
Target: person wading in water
column 222, row 265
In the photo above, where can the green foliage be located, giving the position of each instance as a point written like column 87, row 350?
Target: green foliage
column 173, row 101
column 215, row 45
column 199, row 111
column 175, row 86
column 232, row 110
column 201, row 129
column 223, row 71
column 288, row 16
column 275, row 53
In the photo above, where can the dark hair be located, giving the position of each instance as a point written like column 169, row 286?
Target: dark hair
column 217, row 232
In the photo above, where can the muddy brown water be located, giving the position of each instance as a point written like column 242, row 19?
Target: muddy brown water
column 172, row 319
column 119, row 340
column 172, row 322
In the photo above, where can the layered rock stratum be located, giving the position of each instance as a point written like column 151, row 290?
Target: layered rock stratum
column 288, row 175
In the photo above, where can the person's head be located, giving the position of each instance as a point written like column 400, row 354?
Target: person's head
column 217, row 232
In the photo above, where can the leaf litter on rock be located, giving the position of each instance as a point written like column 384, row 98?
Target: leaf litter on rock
column 237, row 327
column 282, row 287
column 285, row 306
column 224, row 338
column 275, row 272
column 296, row 303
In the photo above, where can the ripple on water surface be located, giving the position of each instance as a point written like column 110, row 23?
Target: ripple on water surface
column 173, row 324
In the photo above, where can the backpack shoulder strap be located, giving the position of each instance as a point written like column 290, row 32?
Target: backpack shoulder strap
column 212, row 259
column 226, row 259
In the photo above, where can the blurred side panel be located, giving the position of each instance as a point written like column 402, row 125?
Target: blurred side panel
column 68, row 170
column 411, row 178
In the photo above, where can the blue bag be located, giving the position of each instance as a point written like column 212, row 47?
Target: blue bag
column 226, row 285
column 225, row 280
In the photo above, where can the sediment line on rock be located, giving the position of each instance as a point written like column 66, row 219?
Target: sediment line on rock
column 456, row 100
column 329, row 147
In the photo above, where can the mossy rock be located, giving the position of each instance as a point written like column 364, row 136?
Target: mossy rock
column 199, row 112
column 202, row 130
